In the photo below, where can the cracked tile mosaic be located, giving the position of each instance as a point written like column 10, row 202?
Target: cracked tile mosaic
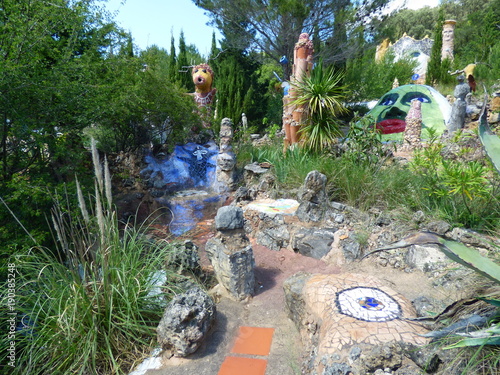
column 369, row 304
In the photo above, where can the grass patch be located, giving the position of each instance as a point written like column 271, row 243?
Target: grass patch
column 92, row 305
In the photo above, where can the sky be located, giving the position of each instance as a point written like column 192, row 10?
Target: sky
column 153, row 22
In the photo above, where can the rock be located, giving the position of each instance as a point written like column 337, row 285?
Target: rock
column 337, row 369
column 425, row 257
column 439, row 227
column 351, row 250
column 314, row 188
column 294, row 299
column 313, row 242
column 186, row 322
column 425, row 357
column 185, row 258
column 388, row 355
column 233, row 262
column 313, row 198
column 229, row 217
column 426, row 306
column 272, row 231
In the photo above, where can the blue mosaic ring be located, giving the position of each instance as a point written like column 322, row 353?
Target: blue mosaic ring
column 368, row 304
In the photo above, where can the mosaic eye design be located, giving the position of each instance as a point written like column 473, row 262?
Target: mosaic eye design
column 368, row 304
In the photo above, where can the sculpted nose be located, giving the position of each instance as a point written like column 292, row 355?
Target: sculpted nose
column 395, row 112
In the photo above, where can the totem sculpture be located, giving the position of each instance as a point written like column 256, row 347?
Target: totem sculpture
column 448, row 40
column 204, row 94
column 459, row 107
column 293, row 115
column 413, row 130
column 226, row 160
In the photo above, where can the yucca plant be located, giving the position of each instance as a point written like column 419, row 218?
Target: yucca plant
column 89, row 307
column 321, row 95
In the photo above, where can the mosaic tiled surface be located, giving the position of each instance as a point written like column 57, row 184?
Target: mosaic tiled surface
column 370, row 304
column 340, row 331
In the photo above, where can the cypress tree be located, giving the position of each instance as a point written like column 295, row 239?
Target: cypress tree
column 434, row 68
column 172, row 62
column 183, row 76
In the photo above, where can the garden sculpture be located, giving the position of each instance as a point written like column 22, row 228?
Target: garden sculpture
column 204, row 94
column 413, row 130
column 293, row 115
column 448, row 40
column 459, row 107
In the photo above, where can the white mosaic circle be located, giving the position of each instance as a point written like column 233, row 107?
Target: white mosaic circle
column 369, row 304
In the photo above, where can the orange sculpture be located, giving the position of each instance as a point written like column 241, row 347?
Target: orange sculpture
column 293, row 116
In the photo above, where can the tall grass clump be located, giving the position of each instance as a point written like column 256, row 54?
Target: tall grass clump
column 88, row 307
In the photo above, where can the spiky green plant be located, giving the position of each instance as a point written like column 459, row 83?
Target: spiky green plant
column 322, row 95
column 88, row 307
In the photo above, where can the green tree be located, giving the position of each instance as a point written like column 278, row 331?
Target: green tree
column 183, row 66
column 273, row 27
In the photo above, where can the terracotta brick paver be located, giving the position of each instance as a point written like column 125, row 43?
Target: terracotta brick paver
column 243, row 366
column 255, row 341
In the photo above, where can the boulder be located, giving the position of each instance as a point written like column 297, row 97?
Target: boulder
column 229, row 217
column 313, row 198
column 186, row 322
column 313, row 242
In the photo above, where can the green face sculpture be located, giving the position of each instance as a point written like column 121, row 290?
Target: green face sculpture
column 391, row 110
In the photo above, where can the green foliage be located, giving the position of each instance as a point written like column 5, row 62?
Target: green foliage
column 321, row 95
column 369, row 80
column 89, row 306
column 460, row 190
column 364, row 141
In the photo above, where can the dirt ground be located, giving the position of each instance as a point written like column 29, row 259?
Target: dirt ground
column 267, row 309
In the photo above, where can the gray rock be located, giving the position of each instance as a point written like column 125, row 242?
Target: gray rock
column 186, row 322
column 309, row 211
column 425, row 257
column 439, row 227
column 233, row 264
column 355, row 353
column 425, row 357
column 274, row 238
column 313, row 198
column 294, row 298
column 388, row 355
column 426, row 306
column 314, row 188
column 337, row 369
column 184, row 257
column 313, row 242
column 351, row 250
column 229, row 217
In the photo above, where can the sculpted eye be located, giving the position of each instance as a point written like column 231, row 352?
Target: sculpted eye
column 408, row 97
column 389, row 99
column 204, row 70
column 196, row 71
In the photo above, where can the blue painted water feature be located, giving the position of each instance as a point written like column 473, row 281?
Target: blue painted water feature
column 188, row 177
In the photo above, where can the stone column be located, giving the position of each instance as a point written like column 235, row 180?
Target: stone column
column 226, row 160
column 231, row 254
column 413, row 130
column 448, row 39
